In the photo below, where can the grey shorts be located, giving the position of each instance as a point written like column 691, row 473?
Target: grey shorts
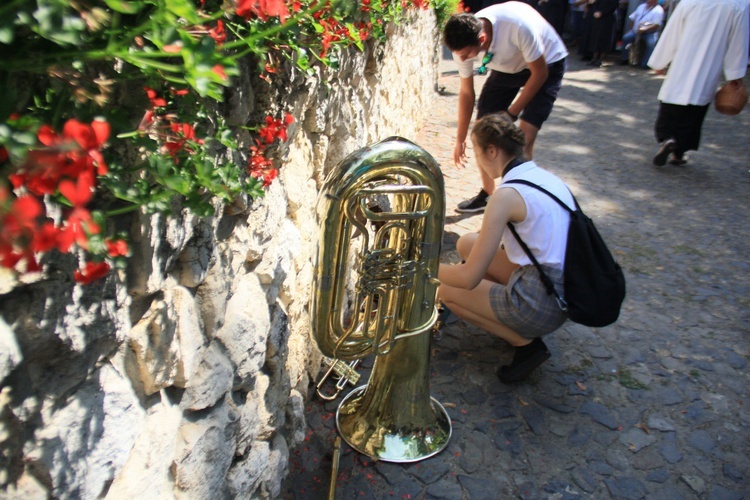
column 524, row 305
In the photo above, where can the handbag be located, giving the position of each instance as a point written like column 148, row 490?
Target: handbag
column 594, row 282
column 731, row 97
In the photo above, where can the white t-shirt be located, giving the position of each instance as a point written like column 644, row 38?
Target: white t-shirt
column 545, row 228
column 520, row 35
column 643, row 14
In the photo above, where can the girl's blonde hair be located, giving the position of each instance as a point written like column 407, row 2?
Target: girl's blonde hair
column 498, row 130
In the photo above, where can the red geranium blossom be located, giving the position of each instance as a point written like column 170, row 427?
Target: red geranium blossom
column 218, row 33
column 117, row 248
column 262, row 9
column 92, row 271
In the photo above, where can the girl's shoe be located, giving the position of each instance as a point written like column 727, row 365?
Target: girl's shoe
column 525, row 360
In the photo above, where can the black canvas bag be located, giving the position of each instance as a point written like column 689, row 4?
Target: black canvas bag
column 594, row 282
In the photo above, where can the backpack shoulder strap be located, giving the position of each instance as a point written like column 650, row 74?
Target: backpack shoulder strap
column 540, row 188
column 542, row 275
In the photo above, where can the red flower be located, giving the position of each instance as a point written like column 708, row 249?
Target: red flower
column 117, row 248
column 218, row 33
column 262, row 9
column 22, row 217
column 45, row 238
column 89, row 137
column 275, row 128
column 156, row 101
column 219, row 70
column 79, row 225
column 80, row 192
column 183, row 132
column 92, row 271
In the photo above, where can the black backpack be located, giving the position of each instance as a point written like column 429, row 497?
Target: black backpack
column 594, row 282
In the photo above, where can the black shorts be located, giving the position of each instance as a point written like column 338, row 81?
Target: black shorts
column 500, row 89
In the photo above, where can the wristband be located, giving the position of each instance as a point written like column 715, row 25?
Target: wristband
column 511, row 115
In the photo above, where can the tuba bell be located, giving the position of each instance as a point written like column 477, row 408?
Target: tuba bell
column 381, row 213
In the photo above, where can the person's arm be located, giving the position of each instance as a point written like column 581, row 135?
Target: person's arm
column 466, row 98
column 505, row 205
column 537, row 78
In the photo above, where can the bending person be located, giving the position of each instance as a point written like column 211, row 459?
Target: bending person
column 520, row 49
column 498, row 288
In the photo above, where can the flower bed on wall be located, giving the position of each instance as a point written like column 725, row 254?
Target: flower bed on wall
column 109, row 107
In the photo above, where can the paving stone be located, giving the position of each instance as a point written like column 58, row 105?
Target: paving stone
column 584, row 479
column 658, row 476
column 561, row 489
column 600, row 414
column 735, row 360
column 635, row 439
column 448, row 490
column 606, row 438
column 474, row 396
column 617, row 459
column 429, row 471
column 477, row 487
column 508, row 441
column 632, row 356
column 658, row 423
column 701, row 364
column 601, row 468
column 626, row 487
column 699, row 414
column 701, row 440
column 718, row 492
column 527, row 491
column 534, row 417
column 668, row 448
column 733, row 472
column 600, row 352
column 705, row 467
column 697, row 484
column 579, row 436
column 554, row 405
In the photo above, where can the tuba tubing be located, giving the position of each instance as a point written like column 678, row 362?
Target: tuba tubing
column 387, row 307
column 343, row 191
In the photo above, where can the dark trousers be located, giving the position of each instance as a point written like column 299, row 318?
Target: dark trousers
column 681, row 123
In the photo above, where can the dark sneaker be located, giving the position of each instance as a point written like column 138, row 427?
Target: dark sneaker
column 476, row 204
column 665, row 149
column 526, row 360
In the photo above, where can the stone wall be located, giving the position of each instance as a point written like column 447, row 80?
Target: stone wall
column 186, row 375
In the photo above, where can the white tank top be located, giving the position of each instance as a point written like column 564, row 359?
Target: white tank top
column 545, row 228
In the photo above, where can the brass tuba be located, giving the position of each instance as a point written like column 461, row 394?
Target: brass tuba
column 377, row 295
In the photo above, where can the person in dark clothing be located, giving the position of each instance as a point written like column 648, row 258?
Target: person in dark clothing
column 554, row 12
column 599, row 37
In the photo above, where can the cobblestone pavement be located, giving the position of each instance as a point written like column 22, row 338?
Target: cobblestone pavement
column 654, row 406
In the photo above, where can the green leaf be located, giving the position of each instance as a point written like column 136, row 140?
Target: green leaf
column 6, row 33
column 124, row 7
column 184, row 9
